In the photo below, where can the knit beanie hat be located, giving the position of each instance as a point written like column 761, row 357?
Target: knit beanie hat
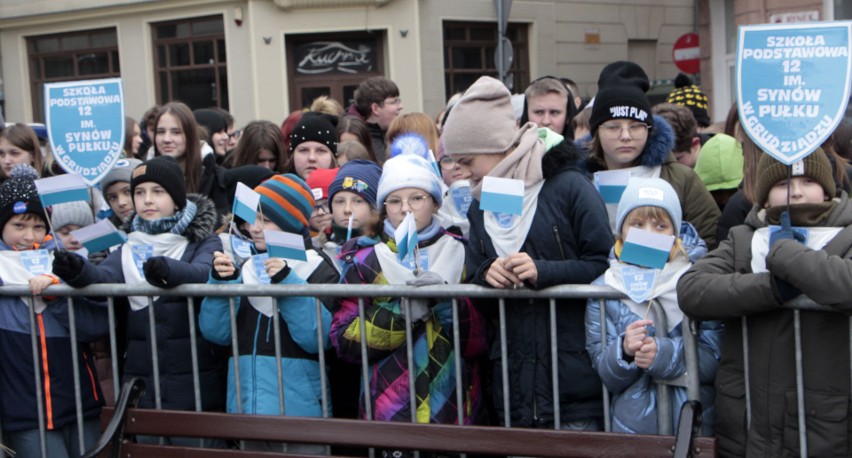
column 286, row 200
column 482, row 121
column 360, row 177
column 166, row 172
column 409, row 171
column 621, row 95
column 120, row 172
column 316, row 127
column 77, row 212
column 815, row 166
column 651, row 192
column 211, row 120
column 690, row 96
column 319, row 180
column 720, row 163
column 18, row 194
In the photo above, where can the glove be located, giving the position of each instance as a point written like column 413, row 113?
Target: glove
column 156, row 271
column 67, row 265
column 786, row 232
column 420, row 307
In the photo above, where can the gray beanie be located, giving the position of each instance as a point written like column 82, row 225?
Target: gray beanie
column 482, row 121
column 120, row 173
column 78, row 212
column 650, row 192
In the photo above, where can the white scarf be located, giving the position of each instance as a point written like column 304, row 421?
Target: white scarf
column 818, row 238
column 17, row 267
column 266, row 304
column 445, row 257
column 664, row 289
column 141, row 246
column 640, row 171
column 509, row 232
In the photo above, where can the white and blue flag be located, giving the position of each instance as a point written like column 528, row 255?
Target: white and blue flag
column 646, row 248
column 502, row 195
column 60, row 189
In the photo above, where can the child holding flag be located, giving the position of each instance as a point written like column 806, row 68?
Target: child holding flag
column 560, row 236
column 640, row 346
column 410, row 194
column 171, row 241
column 285, row 205
column 796, row 240
column 24, row 224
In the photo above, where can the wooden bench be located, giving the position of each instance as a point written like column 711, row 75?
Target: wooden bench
column 125, row 420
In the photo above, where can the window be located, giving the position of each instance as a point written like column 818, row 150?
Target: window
column 190, row 62
column 469, row 51
column 75, row 56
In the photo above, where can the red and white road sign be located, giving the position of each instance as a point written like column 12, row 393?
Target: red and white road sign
column 686, row 53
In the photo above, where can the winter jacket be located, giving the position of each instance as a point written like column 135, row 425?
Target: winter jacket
column 380, row 147
column 17, row 391
column 256, row 342
column 213, row 184
column 569, row 240
column 697, row 203
column 634, row 400
column 722, row 286
column 432, row 341
column 171, row 321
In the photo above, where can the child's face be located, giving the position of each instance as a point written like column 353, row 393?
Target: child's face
column 477, row 166
column 309, row 156
column 69, row 242
column 403, row 201
column 170, row 138
column 119, row 199
column 548, row 110
column 346, row 204
column 152, row 202
column 22, row 232
column 256, row 231
column 803, row 190
column 648, row 222
column 622, row 141
column 321, row 216
column 11, row 155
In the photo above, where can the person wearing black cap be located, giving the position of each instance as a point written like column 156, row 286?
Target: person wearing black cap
column 313, row 145
column 171, row 241
column 625, row 135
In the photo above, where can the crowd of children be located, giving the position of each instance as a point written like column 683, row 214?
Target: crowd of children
column 353, row 224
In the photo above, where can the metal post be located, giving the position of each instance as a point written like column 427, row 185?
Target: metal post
column 501, row 69
column 607, row 415
column 409, row 354
column 664, row 400
column 800, row 385
column 321, row 354
column 276, row 331
column 554, row 363
column 365, row 366
column 113, row 349
column 458, row 364
column 235, row 353
column 155, row 357
column 744, row 322
column 75, row 362
column 42, row 428
column 504, row 366
column 193, row 342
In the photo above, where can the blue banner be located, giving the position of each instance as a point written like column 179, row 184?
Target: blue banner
column 85, row 124
column 793, row 85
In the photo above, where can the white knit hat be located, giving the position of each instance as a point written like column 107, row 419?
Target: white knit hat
column 408, row 171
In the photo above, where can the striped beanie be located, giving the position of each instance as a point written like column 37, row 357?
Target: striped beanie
column 286, row 200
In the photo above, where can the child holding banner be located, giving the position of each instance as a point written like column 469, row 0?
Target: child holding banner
column 25, row 259
column 637, row 351
column 560, row 235
column 286, row 204
column 627, row 137
column 171, row 241
column 780, row 252
column 409, row 191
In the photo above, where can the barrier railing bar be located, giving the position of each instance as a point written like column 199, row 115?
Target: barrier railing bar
column 607, row 415
column 235, row 353
column 42, row 431
column 409, row 354
column 196, row 381
column 504, row 367
column 321, row 354
column 664, row 400
column 365, row 369
column 113, row 349
column 276, row 332
column 744, row 321
column 75, row 362
column 554, row 365
column 689, row 329
column 800, row 385
column 458, row 364
column 155, row 355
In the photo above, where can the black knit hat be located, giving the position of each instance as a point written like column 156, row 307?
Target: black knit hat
column 688, row 95
column 18, row 195
column 621, row 95
column 316, row 127
column 166, row 172
column 815, row 166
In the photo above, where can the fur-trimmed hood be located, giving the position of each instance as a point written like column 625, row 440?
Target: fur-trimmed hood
column 205, row 223
column 657, row 148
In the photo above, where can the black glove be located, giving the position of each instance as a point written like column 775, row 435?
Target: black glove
column 156, row 271
column 785, row 289
column 67, row 265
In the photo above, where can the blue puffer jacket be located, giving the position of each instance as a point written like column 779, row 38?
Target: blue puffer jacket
column 634, row 400
column 256, row 342
column 17, row 390
column 174, row 346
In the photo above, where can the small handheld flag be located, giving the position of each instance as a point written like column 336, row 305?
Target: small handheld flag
column 405, row 236
column 611, row 184
column 60, row 189
column 646, row 248
column 245, row 203
column 99, row 236
column 286, row 245
column 502, row 195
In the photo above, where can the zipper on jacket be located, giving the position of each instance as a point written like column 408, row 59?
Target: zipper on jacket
column 559, row 241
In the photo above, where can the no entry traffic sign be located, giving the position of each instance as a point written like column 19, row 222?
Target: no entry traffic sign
column 686, row 53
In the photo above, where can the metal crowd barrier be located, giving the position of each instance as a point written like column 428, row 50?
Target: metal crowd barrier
column 195, row 291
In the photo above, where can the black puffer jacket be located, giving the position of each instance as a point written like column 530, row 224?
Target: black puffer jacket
column 569, row 240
